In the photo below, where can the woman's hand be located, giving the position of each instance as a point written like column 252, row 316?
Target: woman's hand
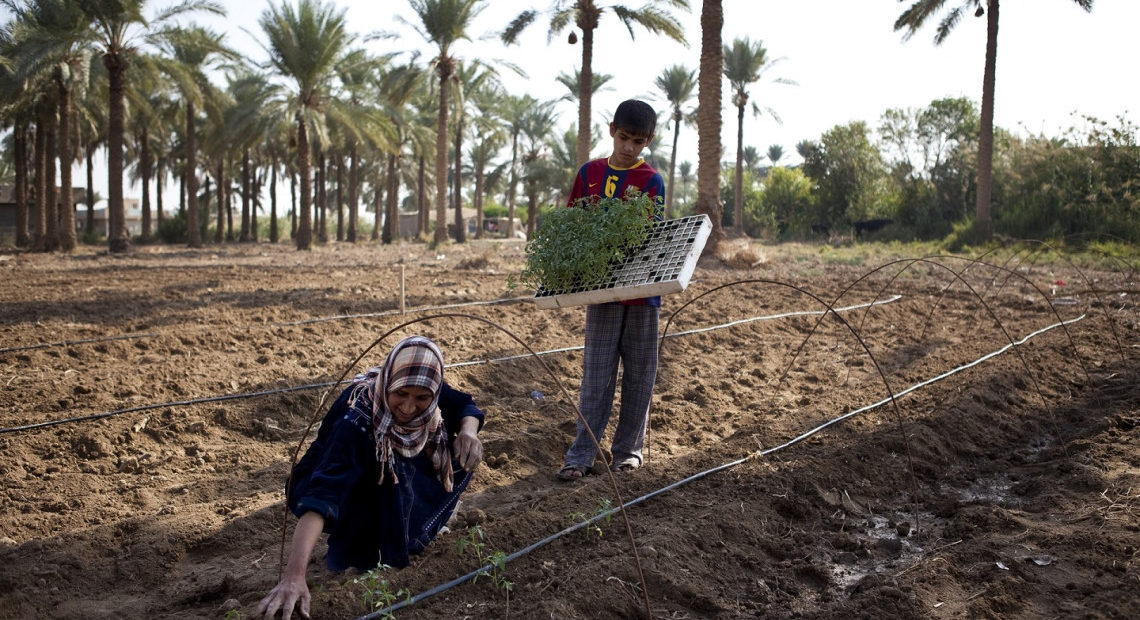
column 467, row 447
column 284, row 597
column 292, row 588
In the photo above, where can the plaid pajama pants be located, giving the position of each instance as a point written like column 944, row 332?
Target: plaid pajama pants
column 616, row 332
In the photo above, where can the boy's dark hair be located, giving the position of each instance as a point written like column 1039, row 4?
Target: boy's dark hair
column 636, row 117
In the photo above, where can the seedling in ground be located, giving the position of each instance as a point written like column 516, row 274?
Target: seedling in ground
column 592, row 526
column 497, row 560
column 378, row 592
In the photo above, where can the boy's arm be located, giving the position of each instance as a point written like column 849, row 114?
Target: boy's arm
column 578, row 189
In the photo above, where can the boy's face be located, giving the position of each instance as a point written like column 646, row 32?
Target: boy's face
column 627, row 147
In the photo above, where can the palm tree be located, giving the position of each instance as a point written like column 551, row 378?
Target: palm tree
column 397, row 87
column 537, row 171
column 364, row 128
column 16, row 110
column 573, row 84
column 143, row 125
column 709, row 121
column 911, row 21
column 685, row 168
column 775, row 153
column 51, row 43
column 513, row 110
column 470, row 78
column 445, row 23
column 190, row 51
column 677, row 85
column 120, row 28
column 752, row 159
column 585, row 15
column 305, row 45
column 744, row 63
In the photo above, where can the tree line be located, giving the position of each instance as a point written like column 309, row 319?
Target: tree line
column 352, row 129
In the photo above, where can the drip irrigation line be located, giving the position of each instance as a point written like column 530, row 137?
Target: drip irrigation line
column 323, row 319
column 383, row 613
column 192, row 401
column 311, row 386
column 367, row 315
column 68, row 343
column 766, row 317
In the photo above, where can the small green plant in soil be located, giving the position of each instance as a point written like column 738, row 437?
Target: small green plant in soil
column 497, row 560
column 377, row 592
column 575, row 248
column 592, row 528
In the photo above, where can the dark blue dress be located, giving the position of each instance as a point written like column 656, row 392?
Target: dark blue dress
column 370, row 523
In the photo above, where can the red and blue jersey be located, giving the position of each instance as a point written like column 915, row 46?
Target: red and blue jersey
column 598, row 179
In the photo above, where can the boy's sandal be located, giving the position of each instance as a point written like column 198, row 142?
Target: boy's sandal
column 625, row 466
column 571, row 472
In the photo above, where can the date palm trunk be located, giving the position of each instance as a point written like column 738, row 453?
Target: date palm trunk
column 353, row 192
column 457, row 196
column 709, row 121
column 738, row 183
column 193, row 225
column 67, row 240
column 446, row 69
column 669, row 193
column 20, row 143
column 118, row 239
column 144, row 179
column 304, row 165
column 986, row 136
column 392, row 216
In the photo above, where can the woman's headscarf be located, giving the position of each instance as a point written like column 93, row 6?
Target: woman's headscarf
column 414, row 361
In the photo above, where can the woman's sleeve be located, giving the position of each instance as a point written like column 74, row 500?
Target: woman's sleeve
column 455, row 405
column 346, row 455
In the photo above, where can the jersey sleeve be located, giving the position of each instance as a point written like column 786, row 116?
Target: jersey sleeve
column 578, row 189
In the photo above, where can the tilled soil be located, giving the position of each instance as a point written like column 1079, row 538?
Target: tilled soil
column 152, row 403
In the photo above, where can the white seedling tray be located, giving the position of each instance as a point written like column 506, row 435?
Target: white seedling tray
column 664, row 265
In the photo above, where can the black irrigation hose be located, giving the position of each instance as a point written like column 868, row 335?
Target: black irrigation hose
column 68, row 343
column 192, row 401
column 322, row 319
column 224, row 397
column 384, row 613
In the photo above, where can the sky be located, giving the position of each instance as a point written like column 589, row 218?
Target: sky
column 846, row 61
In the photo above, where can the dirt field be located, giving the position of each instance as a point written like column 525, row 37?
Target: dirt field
column 1005, row 490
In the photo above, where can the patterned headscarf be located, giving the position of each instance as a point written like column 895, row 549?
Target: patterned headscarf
column 414, row 361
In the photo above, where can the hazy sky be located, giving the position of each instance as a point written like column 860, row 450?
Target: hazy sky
column 1053, row 60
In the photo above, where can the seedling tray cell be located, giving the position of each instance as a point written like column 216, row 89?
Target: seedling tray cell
column 664, row 264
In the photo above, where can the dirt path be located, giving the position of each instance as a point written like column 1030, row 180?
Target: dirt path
column 1009, row 489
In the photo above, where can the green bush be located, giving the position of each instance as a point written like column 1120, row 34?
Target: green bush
column 173, row 229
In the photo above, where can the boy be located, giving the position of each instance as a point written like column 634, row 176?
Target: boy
column 625, row 330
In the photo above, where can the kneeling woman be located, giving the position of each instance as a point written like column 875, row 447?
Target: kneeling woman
column 385, row 472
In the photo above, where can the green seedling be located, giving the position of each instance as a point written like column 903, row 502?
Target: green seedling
column 233, row 614
column 576, row 248
column 497, row 560
column 592, row 527
column 378, row 592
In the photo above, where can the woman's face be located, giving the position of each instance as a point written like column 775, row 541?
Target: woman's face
column 409, row 401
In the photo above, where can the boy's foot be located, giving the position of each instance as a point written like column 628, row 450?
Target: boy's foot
column 629, row 464
column 571, row 472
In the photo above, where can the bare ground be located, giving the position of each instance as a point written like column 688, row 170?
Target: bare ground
column 1010, row 489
